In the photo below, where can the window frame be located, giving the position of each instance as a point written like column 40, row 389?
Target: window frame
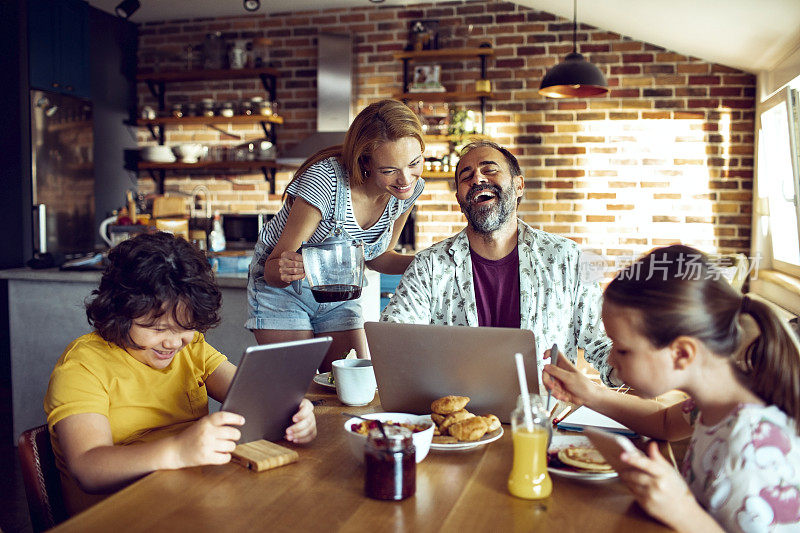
column 762, row 242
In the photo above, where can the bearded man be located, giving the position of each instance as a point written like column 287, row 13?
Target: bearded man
column 500, row 272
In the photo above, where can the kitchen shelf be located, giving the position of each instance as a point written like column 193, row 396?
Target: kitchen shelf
column 436, row 175
column 158, row 171
column 157, row 81
column 453, row 138
column 206, row 75
column 443, row 54
column 448, row 96
column 209, row 121
column 210, row 165
column 212, row 122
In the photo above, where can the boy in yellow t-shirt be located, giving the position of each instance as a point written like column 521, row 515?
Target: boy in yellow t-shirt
column 144, row 375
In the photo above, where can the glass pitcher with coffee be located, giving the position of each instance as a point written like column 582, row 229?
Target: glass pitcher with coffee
column 334, row 268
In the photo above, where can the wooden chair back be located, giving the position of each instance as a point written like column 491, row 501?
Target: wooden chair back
column 41, row 478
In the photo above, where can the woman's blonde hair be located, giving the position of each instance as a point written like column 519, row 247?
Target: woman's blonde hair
column 678, row 292
column 380, row 122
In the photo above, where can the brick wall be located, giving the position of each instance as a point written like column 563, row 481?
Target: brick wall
column 666, row 156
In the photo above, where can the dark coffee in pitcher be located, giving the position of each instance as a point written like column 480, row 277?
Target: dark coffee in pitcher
column 335, row 293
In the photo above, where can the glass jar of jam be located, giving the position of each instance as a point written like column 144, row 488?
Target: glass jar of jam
column 390, row 464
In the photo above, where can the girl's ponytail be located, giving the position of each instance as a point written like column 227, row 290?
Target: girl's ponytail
column 772, row 361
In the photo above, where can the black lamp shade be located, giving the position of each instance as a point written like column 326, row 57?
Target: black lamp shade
column 126, row 8
column 573, row 78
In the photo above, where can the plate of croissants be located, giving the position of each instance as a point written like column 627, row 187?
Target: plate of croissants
column 458, row 429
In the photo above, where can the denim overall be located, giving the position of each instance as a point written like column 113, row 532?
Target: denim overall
column 282, row 308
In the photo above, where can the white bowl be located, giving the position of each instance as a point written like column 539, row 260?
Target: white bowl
column 188, row 153
column 157, row 154
column 422, row 439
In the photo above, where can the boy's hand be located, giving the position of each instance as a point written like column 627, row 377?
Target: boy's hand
column 566, row 382
column 290, row 267
column 304, row 428
column 209, row 441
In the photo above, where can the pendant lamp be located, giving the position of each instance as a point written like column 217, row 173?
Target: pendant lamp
column 574, row 77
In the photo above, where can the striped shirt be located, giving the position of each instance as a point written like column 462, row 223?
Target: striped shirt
column 317, row 186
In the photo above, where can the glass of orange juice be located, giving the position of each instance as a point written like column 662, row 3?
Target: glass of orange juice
column 529, row 478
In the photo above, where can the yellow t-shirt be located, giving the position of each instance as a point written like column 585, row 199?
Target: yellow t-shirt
column 140, row 402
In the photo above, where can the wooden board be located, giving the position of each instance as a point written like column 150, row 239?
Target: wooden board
column 262, row 455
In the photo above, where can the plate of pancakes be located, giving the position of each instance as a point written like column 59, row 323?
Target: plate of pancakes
column 573, row 456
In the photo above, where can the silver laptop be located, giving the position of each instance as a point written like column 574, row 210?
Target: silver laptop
column 416, row 364
column 269, row 384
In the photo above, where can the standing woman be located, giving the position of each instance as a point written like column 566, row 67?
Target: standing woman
column 364, row 188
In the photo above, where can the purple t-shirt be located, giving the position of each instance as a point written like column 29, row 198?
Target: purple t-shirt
column 497, row 290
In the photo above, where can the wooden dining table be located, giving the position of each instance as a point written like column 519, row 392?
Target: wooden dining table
column 324, row 491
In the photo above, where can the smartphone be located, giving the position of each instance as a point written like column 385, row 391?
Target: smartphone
column 611, row 446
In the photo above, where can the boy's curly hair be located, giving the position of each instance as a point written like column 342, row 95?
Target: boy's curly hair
column 154, row 273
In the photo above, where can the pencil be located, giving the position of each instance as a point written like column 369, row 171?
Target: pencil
column 562, row 415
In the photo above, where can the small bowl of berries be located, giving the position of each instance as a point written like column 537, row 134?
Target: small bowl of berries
column 421, row 428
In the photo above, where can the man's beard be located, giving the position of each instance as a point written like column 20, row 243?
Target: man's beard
column 489, row 218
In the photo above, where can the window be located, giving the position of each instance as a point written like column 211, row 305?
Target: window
column 778, row 202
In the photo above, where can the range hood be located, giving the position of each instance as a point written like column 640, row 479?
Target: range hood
column 334, row 98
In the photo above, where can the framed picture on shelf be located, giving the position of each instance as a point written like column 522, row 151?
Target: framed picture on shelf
column 426, row 79
column 424, row 35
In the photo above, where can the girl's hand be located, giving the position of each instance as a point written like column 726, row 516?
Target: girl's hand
column 657, row 486
column 290, row 267
column 566, row 382
column 304, row 428
column 209, row 441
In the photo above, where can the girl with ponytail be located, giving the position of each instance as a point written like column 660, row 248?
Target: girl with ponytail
column 677, row 324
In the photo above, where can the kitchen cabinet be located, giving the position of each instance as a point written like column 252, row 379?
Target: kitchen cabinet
column 58, row 46
column 157, row 84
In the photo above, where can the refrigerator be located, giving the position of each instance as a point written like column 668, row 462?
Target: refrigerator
column 62, row 172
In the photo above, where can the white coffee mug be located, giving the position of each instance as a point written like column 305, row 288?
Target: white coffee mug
column 355, row 381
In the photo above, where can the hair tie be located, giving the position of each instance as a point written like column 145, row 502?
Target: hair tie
column 744, row 306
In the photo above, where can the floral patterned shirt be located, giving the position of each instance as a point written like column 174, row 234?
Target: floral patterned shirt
column 745, row 470
column 555, row 303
